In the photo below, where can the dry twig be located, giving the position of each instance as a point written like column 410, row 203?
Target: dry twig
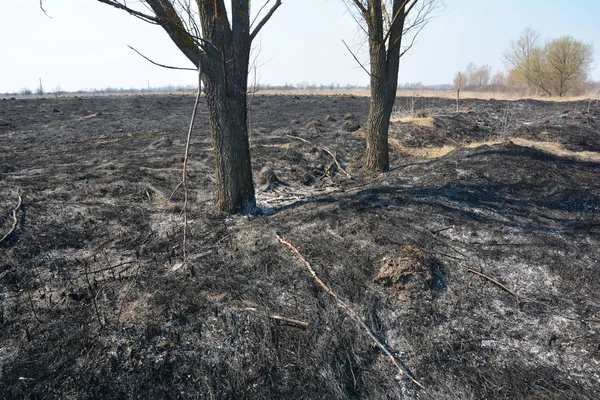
column 14, row 216
column 294, row 322
column 495, row 282
column 353, row 314
column 326, row 150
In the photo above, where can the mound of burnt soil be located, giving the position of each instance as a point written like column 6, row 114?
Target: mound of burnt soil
column 496, row 247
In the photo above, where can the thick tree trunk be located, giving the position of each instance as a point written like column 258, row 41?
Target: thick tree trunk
column 229, row 125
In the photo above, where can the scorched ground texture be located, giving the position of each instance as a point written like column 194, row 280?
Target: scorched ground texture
column 95, row 302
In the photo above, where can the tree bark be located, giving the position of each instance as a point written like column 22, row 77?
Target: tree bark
column 229, row 123
column 384, row 62
column 378, row 123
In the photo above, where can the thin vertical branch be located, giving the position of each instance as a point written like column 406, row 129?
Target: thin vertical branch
column 183, row 181
column 185, row 163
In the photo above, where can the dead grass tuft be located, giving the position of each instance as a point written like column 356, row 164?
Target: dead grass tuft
column 553, row 148
column 558, row 150
column 421, row 152
column 420, row 121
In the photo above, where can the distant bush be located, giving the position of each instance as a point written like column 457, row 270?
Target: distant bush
column 25, row 92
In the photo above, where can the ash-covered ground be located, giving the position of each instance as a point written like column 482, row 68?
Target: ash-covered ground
column 475, row 259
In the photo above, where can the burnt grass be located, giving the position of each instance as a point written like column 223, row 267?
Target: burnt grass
column 96, row 303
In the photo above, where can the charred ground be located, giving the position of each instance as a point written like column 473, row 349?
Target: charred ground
column 95, row 303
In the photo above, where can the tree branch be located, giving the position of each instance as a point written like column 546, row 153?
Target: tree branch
column 170, row 21
column 42, row 8
column 359, row 63
column 161, row 65
column 398, row 12
column 361, row 7
column 264, row 20
column 135, row 13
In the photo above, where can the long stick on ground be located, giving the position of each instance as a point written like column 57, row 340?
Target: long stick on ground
column 292, row 321
column 185, row 163
column 401, row 370
column 495, row 282
column 14, row 216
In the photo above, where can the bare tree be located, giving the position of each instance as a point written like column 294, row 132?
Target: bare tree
column 475, row 77
column 481, row 77
column 499, row 81
column 386, row 23
column 469, row 74
column 220, row 48
column 460, row 81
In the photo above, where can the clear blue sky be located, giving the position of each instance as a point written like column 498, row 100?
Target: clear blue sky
column 84, row 44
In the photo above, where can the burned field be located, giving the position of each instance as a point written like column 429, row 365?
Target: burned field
column 475, row 259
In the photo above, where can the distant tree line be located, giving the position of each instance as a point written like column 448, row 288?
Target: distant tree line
column 558, row 67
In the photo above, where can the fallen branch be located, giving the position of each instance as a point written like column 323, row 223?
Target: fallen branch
column 294, row 322
column 326, row 150
column 437, row 231
column 401, row 370
column 495, row 282
column 14, row 216
column 87, row 117
column 109, row 268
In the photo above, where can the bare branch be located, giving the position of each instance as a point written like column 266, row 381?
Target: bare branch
column 412, row 42
column 398, row 12
column 359, row 63
column 361, row 7
column 135, row 13
column 264, row 20
column 258, row 13
column 42, row 8
column 161, row 65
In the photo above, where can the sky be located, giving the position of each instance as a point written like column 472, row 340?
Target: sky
column 84, row 45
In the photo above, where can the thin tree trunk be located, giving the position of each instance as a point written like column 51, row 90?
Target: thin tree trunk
column 378, row 123
column 384, row 61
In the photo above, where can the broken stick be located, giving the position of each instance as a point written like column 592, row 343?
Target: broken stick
column 295, row 322
column 353, row 314
column 326, row 150
column 495, row 282
column 14, row 216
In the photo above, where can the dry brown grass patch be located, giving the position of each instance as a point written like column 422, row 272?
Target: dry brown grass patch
column 553, row 148
column 420, row 121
